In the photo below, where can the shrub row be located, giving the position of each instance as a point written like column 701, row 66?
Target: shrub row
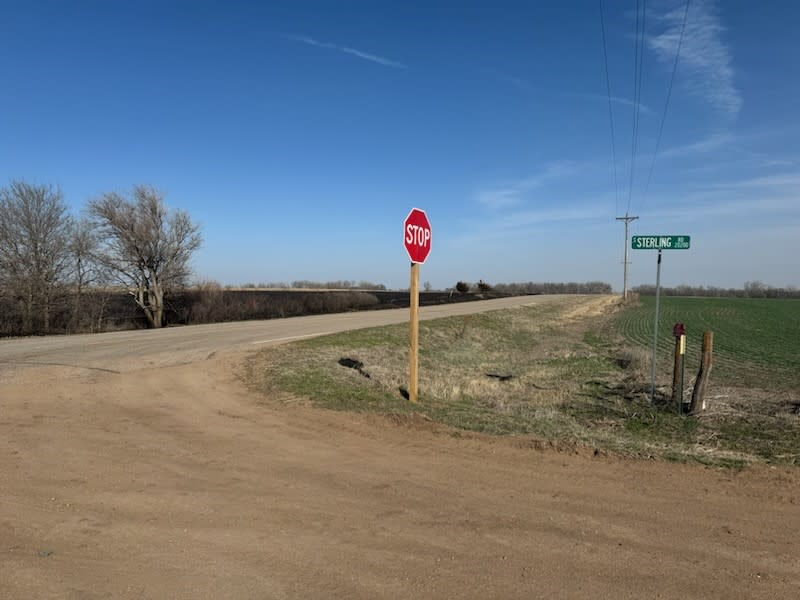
column 97, row 311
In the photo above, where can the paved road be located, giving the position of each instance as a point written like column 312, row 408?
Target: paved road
column 131, row 350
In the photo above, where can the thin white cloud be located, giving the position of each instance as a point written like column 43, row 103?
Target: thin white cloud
column 616, row 100
column 372, row 57
column 304, row 39
column 705, row 60
column 791, row 180
column 511, row 193
column 499, row 198
column 715, row 141
column 527, row 222
column 778, row 162
column 762, row 197
column 574, row 212
column 552, row 170
column 701, row 206
column 521, row 84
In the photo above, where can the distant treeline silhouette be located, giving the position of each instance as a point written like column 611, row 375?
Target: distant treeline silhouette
column 549, row 287
column 751, row 289
column 305, row 284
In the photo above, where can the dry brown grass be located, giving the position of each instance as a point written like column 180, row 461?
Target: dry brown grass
column 540, row 349
column 571, row 379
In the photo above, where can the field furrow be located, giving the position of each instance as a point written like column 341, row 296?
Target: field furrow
column 756, row 340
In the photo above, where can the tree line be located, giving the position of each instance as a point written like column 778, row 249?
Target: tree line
column 59, row 273
column 306, row 284
column 531, row 287
column 751, row 289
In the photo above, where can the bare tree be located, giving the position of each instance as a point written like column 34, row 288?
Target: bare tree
column 89, row 278
column 146, row 246
column 34, row 253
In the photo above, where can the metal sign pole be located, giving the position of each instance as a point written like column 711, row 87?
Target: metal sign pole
column 655, row 330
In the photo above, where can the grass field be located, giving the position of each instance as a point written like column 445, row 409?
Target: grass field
column 756, row 340
column 574, row 379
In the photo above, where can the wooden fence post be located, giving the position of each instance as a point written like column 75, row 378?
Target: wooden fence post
column 677, row 373
column 699, row 393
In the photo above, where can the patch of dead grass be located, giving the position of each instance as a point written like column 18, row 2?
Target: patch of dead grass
column 572, row 380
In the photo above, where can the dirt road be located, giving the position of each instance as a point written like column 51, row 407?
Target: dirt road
column 175, row 482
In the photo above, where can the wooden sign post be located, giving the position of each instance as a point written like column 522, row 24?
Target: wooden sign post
column 679, row 333
column 417, row 240
column 706, row 362
column 413, row 335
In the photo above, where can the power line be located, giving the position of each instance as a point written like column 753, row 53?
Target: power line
column 637, row 84
column 610, row 111
column 635, row 78
column 638, row 69
column 638, row 63
column 666, row 104
column 639, row 81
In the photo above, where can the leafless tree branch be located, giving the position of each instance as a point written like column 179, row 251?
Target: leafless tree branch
column 145, row 246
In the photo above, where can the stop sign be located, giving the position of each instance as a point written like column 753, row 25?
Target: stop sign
column 417, row 235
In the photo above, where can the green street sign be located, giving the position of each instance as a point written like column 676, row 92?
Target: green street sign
column 660, row 242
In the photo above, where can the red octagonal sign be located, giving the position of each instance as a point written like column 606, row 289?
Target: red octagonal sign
column 417, row 235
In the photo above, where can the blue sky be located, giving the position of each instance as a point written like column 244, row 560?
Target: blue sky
column 299, row 134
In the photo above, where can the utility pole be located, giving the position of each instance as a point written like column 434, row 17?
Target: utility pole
column 626, row 219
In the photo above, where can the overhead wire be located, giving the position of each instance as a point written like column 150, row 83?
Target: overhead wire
column 638, row 63
column 641, row 70
column 610, row 111
column 666, row 105
column 635, row 77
